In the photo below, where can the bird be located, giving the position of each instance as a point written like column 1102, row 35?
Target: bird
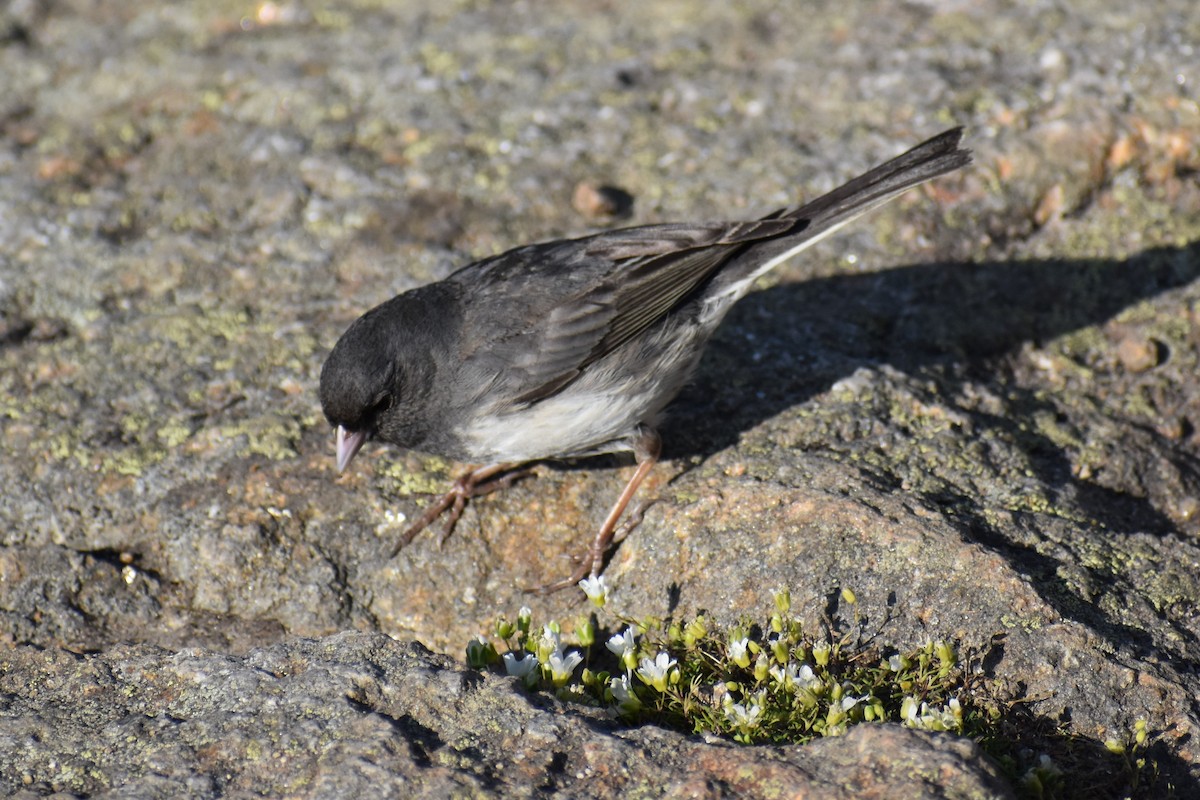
column 571, row 348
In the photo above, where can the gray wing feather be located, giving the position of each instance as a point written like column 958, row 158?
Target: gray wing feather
column 568, row 304
column 647, row 272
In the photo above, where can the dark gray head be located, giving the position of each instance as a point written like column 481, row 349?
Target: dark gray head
column 358, row 383
column 358, row 380
column 377, row 378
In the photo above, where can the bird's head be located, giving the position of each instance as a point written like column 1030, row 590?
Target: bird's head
column 359, row 385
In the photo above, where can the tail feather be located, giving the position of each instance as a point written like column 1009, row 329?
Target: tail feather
column 928, row 160
column 829, row 212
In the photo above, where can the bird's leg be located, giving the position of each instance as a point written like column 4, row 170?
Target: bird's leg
column 473, row 484
column 632, row 521
column 647, row 446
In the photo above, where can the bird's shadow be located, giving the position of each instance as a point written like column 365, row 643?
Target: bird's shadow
column 781, row 346
column 954, row 321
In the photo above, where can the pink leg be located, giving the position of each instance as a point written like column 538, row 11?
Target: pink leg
column 473, row 484
column 647, row 446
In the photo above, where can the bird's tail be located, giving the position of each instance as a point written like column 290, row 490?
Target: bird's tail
column 829, row 212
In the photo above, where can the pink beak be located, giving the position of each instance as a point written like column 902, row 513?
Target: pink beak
column 348, row 443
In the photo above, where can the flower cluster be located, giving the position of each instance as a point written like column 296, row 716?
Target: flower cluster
column 529, row 660
column 755, row 683
column 936, row 718
column 777, row 682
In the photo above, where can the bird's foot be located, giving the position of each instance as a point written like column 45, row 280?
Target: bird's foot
column 475, row 483
column 647, row 447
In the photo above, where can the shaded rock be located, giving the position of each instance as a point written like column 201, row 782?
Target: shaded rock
column 361, row 715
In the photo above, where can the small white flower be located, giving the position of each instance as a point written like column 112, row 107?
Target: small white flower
column 550, row 642
column 551, row 637
column 622, row 689
column 955, row 710
column 788, row 675
column 897, row 663
column 739, row 651
column 849, row 702
column 524, row 667
column 656, row 673
column 808, row 679
column 744, row 718
column 746, row 715
column 1046, row 764
column 622, row 643
column 624, row 647
column 949, row 717
column 562, row 665
column 596, row 590
column 908, row 711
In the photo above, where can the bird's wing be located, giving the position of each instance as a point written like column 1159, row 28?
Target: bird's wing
column 553, row 309
column 654, row 276
column 576, row 301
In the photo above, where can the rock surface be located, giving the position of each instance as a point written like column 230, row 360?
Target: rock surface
column 977, row 409
column 360, row 715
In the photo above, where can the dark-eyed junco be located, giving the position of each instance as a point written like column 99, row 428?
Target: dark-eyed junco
column 571, row 348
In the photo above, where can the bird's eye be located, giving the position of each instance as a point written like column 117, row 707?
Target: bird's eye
column 381, row 404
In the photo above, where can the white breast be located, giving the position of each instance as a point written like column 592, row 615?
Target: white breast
column 599, row 412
